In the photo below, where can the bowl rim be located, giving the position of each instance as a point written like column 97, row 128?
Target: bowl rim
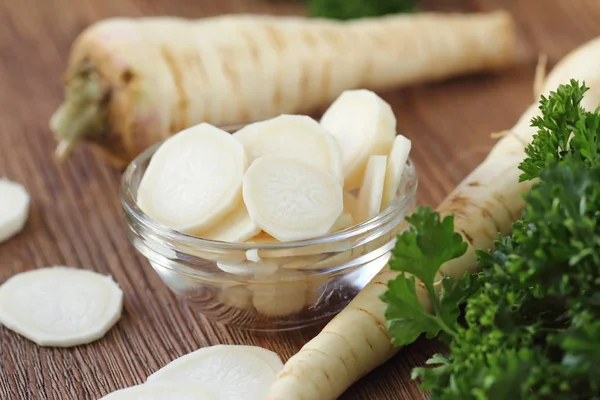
column 401, row 203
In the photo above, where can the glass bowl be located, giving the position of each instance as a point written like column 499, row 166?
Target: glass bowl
column 260, row 285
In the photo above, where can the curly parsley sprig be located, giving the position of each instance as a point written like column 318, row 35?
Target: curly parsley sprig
column 532, row 316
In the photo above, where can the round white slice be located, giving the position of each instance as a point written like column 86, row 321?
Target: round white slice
column 60, row 306
column 281, row 295
column 14, row 208
column 194, row 179
column 371, row 191
column 236, row 227
column 346, row 220
column 350, row 203
column 291, row 199
column 249, row 267
column 233, row 371
column 163, row 391
column 237, row 296
column 293, row 136
column 395, row 167
column 252, row 255
column 364, row 125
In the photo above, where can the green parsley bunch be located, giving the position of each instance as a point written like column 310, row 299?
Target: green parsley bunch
column 531, row 326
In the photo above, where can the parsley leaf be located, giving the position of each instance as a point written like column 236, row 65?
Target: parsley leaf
column 420, row 252
column 407, row 317
column 428, row 244
column 454, row 293
column 565, row 131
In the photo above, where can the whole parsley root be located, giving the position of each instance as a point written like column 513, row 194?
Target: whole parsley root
column 129, row 85
column 485, row 204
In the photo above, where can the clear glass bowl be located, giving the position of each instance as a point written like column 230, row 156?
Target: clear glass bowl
column 287, row 285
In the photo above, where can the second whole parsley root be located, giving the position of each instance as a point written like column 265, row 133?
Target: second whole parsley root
column 483, row 205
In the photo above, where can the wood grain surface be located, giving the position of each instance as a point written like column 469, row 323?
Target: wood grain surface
column 76, row 219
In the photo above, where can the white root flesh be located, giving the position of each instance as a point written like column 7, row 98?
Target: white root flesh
column 163, row 391
column 252, row 255
column 238, row 296
column 350, row 204
column 364, row 125
column 60, row 306
column 484, row 204
column 240, row 68
column 291, row 199
column 395, row 167
column 14, row 208
column 293, row 136
column 237, row 226
column 233, row 372
column 281, row 295
column 250, row 267
column 346, row 220
column 194, row 179
column 371, row 191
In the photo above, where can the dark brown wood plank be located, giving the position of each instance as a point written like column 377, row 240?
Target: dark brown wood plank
column 76, row 220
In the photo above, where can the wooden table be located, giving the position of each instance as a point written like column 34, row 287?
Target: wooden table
column 76, row 219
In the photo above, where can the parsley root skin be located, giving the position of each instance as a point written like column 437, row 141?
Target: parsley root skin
column 132, row 82
column 485, row 204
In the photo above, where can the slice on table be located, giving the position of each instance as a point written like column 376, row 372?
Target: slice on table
column 194, row 179
column 291, row 199
column 395, row 167
column 233, row 372
column 14, row 208
column 237, row 226
column 60, row 306
column 293, row 136
column 484, row 204
column 163, row 391
column 364, row 125
column 371, row 191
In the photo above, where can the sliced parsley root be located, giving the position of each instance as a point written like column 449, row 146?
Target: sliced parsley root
column 532, row 315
